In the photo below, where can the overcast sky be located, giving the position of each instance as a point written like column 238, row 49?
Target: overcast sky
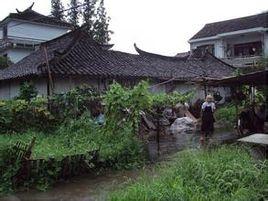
column 160, row 26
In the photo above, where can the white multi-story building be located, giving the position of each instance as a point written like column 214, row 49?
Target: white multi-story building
column 240, row 42
column 22, row 32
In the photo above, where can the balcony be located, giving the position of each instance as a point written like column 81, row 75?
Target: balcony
column 19, row 43
column 243, row 62
column 244, row 54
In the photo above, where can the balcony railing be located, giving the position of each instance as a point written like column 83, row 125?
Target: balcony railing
column 246, row 61
column 18, row 43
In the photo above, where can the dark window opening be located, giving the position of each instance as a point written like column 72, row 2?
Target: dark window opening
column 248, row 49
column 206, row 48
column 5, row 32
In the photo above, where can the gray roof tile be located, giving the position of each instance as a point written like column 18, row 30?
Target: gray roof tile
column 75, row 53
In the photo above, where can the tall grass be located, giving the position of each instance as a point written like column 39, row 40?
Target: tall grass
column 226, row 174
column 77, row 137
column 80, row 136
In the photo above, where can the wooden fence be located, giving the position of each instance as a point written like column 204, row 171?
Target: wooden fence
column 56, row 169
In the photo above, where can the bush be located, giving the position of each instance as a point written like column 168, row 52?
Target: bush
column 75, row 102
column 27, row 91
column 8, row 168
column 20, row 115
column 4, row 62
column 226, row 174
column 28, row 111
column 226, row 113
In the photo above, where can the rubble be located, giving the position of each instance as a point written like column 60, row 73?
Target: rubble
column 183, row 125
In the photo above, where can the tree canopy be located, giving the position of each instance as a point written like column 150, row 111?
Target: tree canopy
column 56, row 9
column 74, row 13
column 101, row 25
column 91, row 13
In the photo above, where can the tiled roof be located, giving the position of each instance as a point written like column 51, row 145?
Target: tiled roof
column 213, row 29
column 75, row 53
column 31, row 15
column 183, row 54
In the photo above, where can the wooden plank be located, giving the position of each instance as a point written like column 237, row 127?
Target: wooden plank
column 258, row 138
column 189, row 114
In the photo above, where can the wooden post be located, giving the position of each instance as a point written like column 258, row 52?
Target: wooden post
column 236, row 113
column 50, row 80
column 158, row 130
column 205, row 87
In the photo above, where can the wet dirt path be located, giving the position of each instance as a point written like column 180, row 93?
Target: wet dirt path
column 83, row 188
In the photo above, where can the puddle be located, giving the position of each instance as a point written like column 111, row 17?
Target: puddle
column 174, row 143
column 83, row 188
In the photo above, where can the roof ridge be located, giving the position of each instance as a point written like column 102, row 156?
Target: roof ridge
column 142, row 52
column 231, row 25
column 237, row 18
column 27, row 9
column 76, row 38
column 31, row 15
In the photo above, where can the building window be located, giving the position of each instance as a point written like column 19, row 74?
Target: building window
column 5, row 31
column 248, row 49
column 206, row 48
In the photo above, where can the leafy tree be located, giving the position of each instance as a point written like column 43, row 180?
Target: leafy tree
column 89, row 14
column 74, row 13
column 56, row 9
column 4, row 62
column 101, row 31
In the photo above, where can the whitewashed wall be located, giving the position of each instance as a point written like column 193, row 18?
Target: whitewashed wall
column 62, row 85
column 32, row 33
column 194, row 45
column 1, row 33
column 17, row 29
column 16, row 55
column 10, row 89
column 199, row 92
column 220, row 45
column 4, row 91
column 265, row 43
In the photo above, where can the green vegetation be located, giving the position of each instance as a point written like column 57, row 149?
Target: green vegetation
column 225, row 174
column 20, row 115
column 76, row 137
column 27, row 91
column 65, row 125
column 226, row 114
column 4, row 62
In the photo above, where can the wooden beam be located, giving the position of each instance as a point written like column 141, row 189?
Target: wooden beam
column 50, row 80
